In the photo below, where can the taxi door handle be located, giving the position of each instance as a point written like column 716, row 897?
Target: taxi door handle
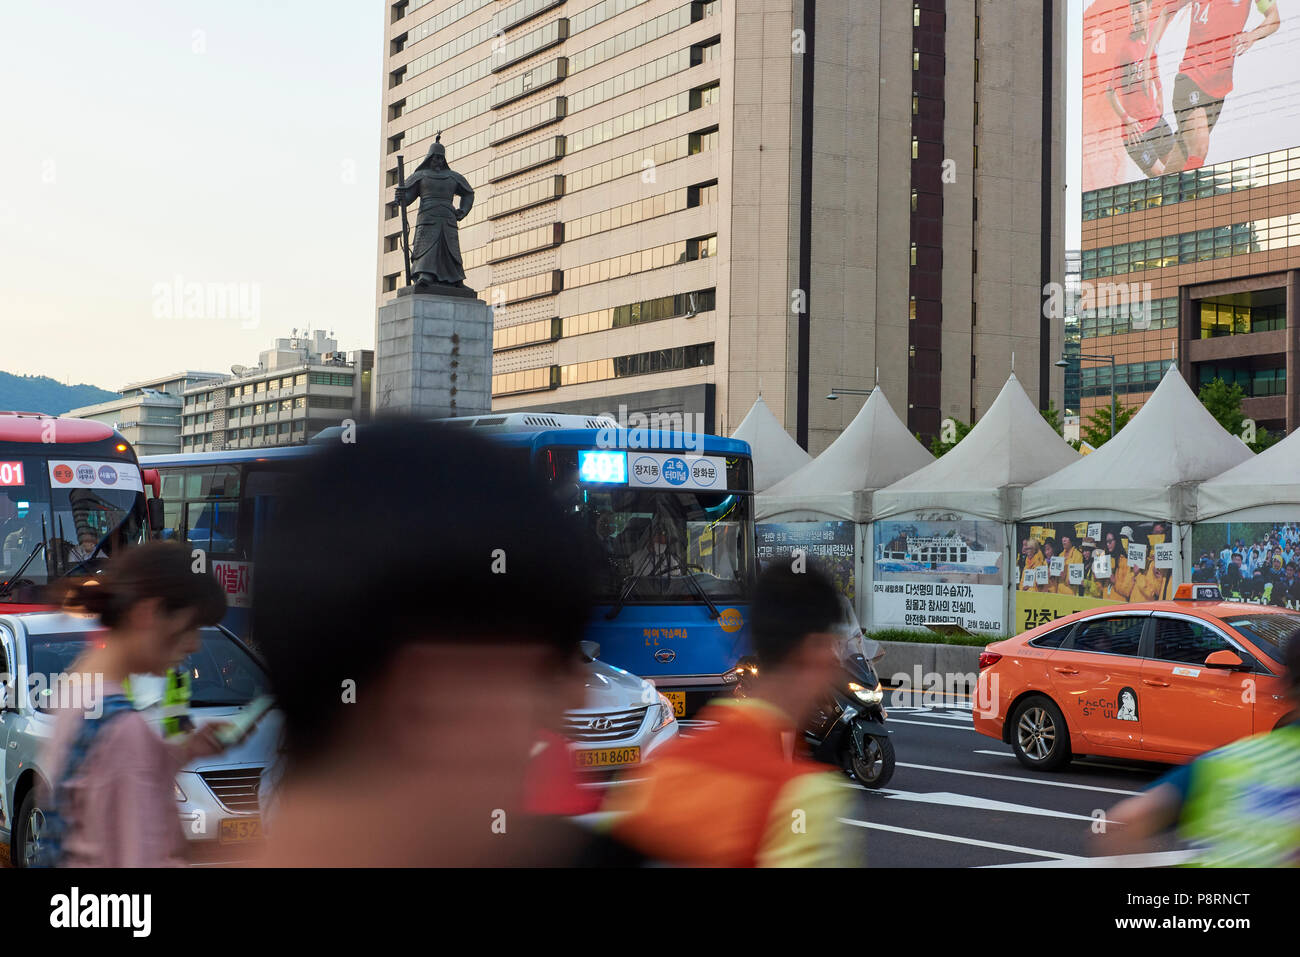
column 1065, row 671
column 1155, row 684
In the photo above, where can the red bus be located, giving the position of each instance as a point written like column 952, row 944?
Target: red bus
column 71, row 495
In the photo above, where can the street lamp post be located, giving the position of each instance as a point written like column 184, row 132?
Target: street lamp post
column 1063, row 364
column 836, row 393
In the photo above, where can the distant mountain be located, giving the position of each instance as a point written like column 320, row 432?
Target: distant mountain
column 38, row 393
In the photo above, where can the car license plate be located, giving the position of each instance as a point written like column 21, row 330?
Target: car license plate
column 241, row 830
column 606, row 757
column 678, row 698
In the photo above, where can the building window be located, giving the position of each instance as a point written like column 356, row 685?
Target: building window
column 913, row 254
column 916, row 60
column 915, row 148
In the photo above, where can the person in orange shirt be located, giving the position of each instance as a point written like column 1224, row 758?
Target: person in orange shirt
column 742, row 793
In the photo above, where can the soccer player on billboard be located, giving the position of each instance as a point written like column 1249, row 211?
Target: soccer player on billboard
column 1134, row 93
column 1216, row 37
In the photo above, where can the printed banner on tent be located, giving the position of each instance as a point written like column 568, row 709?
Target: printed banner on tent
column 1064, row 567
column 830, row 544
column 1255, row 562
column 938, row 572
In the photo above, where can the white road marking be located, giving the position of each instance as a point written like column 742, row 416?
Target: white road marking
column 1087, row 762
column 929, row 724
column 1153, row 859
column 950, row 799
column 973, row 842
column 1013, row 777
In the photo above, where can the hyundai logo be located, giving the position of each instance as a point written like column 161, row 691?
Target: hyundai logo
column 599, row 724
column 665, row 655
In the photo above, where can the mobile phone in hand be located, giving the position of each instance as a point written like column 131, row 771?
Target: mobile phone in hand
column 238, row 726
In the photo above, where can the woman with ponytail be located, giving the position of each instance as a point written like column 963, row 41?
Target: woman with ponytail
column 113, row 776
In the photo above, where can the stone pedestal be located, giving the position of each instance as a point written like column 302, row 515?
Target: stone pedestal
column 433, row 358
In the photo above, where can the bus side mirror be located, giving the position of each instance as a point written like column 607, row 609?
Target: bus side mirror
column 153, row 478
column 155, row 510
column 1223, row 659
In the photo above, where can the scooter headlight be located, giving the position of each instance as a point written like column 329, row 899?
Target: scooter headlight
column 867, row 695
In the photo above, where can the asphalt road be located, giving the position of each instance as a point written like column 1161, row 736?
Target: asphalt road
column 960, row 799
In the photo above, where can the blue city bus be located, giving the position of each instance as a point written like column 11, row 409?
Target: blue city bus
column 671, row 515
column 221, row 503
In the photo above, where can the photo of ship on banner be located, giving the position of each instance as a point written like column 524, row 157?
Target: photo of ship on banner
column 1064, row 567
column 948, row 572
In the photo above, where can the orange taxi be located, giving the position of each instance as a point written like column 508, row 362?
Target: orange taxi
column 1157, row 681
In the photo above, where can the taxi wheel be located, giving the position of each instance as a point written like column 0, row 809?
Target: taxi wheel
column 1039, row 735
column 27, row 832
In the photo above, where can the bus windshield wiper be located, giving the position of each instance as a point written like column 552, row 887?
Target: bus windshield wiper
column 699, row 589
column 7, row 586
column 626, row 591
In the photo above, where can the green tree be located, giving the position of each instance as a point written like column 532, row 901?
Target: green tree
column 1096, row 431
column 1052, row 415
column 958, row 432
column 1223, row 401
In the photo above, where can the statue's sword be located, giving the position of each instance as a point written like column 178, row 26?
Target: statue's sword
column 406, row 242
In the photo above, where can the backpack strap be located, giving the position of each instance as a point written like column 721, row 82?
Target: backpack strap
column 50, row 851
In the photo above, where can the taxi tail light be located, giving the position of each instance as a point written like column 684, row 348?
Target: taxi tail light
column 988, row 659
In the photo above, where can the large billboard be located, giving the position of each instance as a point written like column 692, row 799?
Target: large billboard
column 1172, row 85
column 1254, row 562
column 1064, row 567
column 938, row 572
column 830, row 544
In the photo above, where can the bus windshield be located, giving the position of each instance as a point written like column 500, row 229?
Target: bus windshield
column 660, row 545
column 61, row 519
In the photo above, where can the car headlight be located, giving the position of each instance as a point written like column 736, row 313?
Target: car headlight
column 180, row 795
column 867, row 695
column 666, row 714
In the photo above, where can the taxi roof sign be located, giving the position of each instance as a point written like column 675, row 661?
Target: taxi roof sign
column 1192, row 591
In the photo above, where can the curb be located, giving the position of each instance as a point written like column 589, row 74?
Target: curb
column 907, row 656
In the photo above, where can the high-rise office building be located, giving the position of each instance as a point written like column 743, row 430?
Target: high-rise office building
column 681, row 205
column 1191, row 224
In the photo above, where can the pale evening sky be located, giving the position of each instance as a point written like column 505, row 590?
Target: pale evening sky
column 228, row 143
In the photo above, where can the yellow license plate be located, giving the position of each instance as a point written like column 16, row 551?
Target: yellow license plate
column 241, row 830
column 607, row 757
column 678, row 698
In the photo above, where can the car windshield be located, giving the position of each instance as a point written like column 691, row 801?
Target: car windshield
column 1269, row 633
column 49, row 529
column 655, row 542
column 221, row 672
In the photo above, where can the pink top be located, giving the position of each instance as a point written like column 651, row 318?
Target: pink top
column 120, row 808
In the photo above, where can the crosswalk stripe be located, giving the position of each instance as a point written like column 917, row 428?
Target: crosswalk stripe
column 1014, row 777
column 971, row 841
column 951, row 799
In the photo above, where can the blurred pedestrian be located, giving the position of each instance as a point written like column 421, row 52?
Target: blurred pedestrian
column 113, row 797
column 1239, row 804
column 415, row 682
column 741, row 793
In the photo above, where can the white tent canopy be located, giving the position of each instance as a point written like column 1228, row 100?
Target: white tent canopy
column 1149, row 468
column 1270, row 478
column 1009, row 447
column 776, row 455
column 873, row 451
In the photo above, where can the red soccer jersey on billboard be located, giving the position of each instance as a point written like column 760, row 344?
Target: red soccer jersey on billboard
column 1212, row 43
column 1130, row 82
